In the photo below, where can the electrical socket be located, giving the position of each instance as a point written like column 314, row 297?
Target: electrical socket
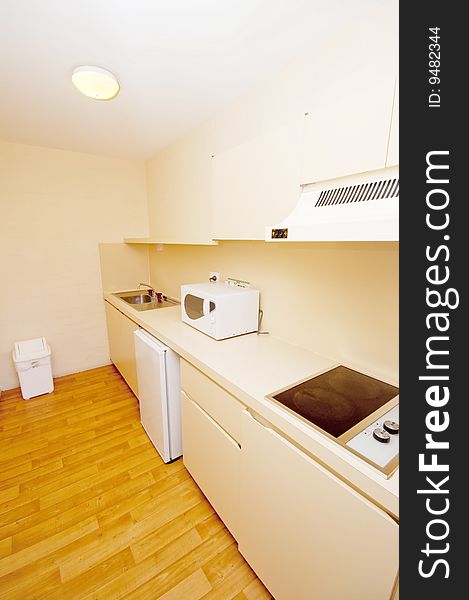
column 238, row 282
column 214, row 276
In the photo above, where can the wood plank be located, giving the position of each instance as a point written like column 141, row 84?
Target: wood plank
column 88, row 509
column 233, row 584
column 150, row 544
column 5, row 547
column 95, row 577
column 210, row 526
column 113, row 538
column 10, row 518
column 53, row 519
column 13, row 472
column 193, row 587
column 46, row 546
column 156, row 575
column 95, row 478
column 9, row 493
column 255, row 590
column 37, row 581
column 35, row 473
column 222, row 565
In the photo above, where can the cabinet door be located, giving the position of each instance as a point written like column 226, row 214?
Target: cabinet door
column 393, row 149
column 347, row 129
column 212, row 458
column 257, row 183
column 306, row 533
column 179, row 184
column 120, row 331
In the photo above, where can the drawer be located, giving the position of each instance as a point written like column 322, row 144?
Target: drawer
column 218, row 403
column 213, row 459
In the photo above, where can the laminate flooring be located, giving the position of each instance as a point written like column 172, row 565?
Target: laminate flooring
column 89, row 510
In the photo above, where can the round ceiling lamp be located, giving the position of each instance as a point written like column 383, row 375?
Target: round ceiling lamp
column 95, row 82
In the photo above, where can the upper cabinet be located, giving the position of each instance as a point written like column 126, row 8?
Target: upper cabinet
column 347, row 133
column 393, row 148
column 350, row 105
column 179, row 187
column 350, row 99
column 256, row 183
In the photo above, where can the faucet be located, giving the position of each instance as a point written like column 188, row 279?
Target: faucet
column 153, row 292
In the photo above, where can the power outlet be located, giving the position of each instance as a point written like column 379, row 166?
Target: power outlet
column 214, row 276
column 238, row 283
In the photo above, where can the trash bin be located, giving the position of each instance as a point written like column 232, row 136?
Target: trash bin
column 33, row 365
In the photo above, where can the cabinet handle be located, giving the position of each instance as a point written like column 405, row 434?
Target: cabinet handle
column 263, row 422
column 212, row 420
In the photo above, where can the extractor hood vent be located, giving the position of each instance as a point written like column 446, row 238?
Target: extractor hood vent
column 386, row 188
column 360, row 207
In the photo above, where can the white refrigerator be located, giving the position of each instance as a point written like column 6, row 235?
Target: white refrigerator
column 159, row 394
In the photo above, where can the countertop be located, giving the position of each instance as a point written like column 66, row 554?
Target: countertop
column 252, row 366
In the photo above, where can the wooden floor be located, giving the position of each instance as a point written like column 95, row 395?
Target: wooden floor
column 89, row 510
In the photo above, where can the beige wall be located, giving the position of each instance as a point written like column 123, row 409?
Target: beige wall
column 55, row 207
column 123, row 266
column 340, row 300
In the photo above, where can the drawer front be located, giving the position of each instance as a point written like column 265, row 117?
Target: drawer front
column 213, row 460
column 219, row 404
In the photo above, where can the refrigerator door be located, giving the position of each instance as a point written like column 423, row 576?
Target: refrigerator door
column 152, row 387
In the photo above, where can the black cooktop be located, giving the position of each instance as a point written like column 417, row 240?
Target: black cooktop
column 338, row 399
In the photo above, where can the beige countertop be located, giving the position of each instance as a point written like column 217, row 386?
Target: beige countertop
column 252, row 366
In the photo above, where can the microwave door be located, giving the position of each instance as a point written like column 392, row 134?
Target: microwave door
column 194, row 306
column 197, row 307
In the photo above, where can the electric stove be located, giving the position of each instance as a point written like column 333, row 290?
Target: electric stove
column 359, row 412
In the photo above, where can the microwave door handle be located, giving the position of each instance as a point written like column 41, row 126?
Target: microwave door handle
column 206, row 307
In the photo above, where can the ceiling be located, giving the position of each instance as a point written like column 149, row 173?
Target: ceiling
column 178, row 63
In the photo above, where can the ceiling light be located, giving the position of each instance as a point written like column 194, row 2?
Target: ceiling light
column 95, row 82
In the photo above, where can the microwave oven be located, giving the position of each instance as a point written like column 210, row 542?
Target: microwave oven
column 220, row 310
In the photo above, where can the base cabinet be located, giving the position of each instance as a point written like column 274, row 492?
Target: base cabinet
column 212, row 457
column 306, row 533
column 121, row 345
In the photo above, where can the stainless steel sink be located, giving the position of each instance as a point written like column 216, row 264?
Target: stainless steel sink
column 139, row 299
column 142, row 300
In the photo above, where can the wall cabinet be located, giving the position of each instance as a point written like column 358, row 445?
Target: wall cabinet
column 393, row 148
column 350, row 100
column 179, row 182
column 121, row 345
column 256, row 183
column 306, row 533
column 347, row 128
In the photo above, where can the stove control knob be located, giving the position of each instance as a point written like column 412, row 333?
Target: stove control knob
column 391, row 427
column 381, row 435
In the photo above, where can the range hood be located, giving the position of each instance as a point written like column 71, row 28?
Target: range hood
column 362, row 207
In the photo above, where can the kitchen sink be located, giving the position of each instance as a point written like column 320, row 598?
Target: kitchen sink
column 142, row 300
column 139, row 299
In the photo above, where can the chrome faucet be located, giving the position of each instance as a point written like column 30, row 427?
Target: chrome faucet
column 152, row 291
column 150, row 288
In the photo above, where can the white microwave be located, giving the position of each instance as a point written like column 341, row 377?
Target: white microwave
column 220, row 310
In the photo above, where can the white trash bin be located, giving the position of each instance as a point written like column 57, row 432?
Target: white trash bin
column 33, row 365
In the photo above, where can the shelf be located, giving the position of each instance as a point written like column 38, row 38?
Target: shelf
column 159, row 241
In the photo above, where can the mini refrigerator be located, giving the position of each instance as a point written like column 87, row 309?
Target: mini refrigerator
column 159, row 394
